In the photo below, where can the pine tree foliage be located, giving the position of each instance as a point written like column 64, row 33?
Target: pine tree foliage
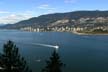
column 54, row 64
column 11, row 61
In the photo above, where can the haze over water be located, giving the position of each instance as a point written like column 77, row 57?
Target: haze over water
column 80, row 53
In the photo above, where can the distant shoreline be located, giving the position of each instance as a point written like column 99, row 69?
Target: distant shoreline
column 79, row 33
column 74, row 32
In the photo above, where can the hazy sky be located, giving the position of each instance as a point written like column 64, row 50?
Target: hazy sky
column 12, row 11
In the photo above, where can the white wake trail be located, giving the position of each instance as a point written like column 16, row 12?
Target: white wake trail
column 46, row 45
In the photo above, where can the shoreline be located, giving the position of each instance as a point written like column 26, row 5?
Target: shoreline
column 78, row 33
column 74, row 32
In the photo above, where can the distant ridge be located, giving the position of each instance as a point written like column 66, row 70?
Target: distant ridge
column 50, row 20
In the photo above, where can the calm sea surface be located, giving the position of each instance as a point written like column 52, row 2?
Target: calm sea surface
column 80, row 53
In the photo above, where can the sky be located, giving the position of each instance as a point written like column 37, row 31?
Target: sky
column 12, row 11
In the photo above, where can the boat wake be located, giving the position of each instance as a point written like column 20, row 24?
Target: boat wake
column 46, row 45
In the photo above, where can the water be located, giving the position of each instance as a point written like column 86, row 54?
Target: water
column 86, row 53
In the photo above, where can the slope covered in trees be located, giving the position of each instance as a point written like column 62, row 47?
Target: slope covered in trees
column 47, row 20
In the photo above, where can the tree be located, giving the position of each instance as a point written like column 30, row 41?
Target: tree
column 11, row 61
column 54, row 64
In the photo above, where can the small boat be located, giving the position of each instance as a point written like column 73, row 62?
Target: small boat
column 56, row 46
column 38, row 60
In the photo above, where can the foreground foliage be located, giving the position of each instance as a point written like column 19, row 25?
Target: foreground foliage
column 11, row 61
column 54, row 64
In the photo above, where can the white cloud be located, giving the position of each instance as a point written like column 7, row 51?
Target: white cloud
column 46, row 7
column 1, row 12
column 70, row 1
column 13, row 18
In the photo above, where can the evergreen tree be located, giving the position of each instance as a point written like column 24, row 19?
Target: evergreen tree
column 11, row 61
column 54, row 64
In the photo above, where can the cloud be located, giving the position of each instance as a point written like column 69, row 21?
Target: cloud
column 13, row 18
column 45, row 7
column 70, row 1
column 2, row 12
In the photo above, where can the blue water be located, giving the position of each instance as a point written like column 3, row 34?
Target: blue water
column 80, row 53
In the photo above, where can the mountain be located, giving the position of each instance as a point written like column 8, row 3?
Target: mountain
column 60, row 19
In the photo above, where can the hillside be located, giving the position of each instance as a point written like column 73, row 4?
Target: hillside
column 75, row 18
